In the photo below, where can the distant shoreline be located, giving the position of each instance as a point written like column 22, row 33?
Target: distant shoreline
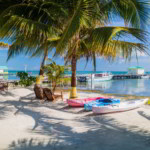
column 78, row 72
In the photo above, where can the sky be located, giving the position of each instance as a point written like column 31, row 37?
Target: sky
column 19, row 62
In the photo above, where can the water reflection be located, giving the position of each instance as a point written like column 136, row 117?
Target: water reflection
column 129, row 86
column 100, row 85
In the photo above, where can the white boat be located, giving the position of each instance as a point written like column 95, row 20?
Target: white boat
column 145, row 77
column 100, row 77
column 123, row 106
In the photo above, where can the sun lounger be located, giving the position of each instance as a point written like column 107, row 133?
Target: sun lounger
column 50, row 96
column 3, row 86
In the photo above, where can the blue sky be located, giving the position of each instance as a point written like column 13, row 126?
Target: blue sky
column 18, row 63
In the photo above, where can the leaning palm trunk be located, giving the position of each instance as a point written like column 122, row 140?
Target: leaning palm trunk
column 38, row 88
column 43, row 63
column 73, row 79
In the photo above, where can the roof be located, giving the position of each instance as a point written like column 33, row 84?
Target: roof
column 4, row 67
column 136, row 67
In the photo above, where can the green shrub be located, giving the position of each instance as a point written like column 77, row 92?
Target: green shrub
column 56, row 74
column 25, row 79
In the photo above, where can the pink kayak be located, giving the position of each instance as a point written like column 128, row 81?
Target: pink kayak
column 81, row 102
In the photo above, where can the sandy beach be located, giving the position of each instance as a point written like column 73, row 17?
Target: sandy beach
column 29, row 124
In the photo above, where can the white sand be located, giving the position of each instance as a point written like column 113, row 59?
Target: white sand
column 28, row 124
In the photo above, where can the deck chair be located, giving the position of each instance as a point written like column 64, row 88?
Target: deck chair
column 3, row 86
column 50, row 96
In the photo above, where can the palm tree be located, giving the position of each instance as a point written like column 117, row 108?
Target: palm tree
column 79, row 28
column 29, row 26
column 87, row 34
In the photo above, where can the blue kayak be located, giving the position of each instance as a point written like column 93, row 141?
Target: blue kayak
column 101, row 102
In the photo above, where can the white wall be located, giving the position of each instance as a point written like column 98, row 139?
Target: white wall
column 136, row 71
column 1, row 71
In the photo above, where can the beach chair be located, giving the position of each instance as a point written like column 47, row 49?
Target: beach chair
column 39, row 92
column 3, row 86
column 50, row 96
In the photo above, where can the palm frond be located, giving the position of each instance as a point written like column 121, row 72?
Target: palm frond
column 136, row 13
column 26, row 27
column 81, row 18
column 28, row 18
column 124, row 49
column 101, row 36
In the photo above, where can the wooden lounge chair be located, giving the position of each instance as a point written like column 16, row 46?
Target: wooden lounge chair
column 39, row 92
column 3, row 86
column 50, row 96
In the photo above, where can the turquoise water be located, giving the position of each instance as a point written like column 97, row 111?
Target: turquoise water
column 12, row 75
column 69, row 72
column 93, row 72
column 30, row 72
column 140, row 87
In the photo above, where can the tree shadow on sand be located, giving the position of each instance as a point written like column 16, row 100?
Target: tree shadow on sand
column 4, row 110
column 28, row 97
column 144, row 115
column 104, row 136
column 75, row 133
column 6, row 93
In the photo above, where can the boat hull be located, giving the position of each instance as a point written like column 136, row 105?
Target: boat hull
column 145, row 77
column 81, row 102
column 123, row 106
column 97, row 79
column 101, row 102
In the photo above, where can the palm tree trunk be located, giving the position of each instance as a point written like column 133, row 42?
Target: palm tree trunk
column 37, row 88
column 73, row 79
column 43, row 62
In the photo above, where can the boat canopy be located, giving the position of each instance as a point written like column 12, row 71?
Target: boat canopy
column 137, row 67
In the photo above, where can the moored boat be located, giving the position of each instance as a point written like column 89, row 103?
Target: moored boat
column 123, row 106
column 145, row 77
column 100, row 77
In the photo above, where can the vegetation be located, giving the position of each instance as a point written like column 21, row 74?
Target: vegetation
column 55, row 74
column 4, row 45
column 25, row 79
column 75, row 28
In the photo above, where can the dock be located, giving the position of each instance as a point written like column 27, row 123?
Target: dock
column 83, row 78
column 127, row 76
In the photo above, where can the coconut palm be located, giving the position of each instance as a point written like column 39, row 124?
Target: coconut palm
column 20, row 23
column 75, row 28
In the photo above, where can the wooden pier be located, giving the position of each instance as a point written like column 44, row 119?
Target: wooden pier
column 83, row 78
column 126, row 76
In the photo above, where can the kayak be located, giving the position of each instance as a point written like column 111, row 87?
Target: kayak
column 101, row 102
column 81, row 102
column 123, row 106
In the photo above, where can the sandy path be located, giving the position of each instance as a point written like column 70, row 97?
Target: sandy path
column 27, row 124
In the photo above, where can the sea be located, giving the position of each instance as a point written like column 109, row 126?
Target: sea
column 139, row 87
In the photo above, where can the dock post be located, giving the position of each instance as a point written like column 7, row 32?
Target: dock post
column 92, row 80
